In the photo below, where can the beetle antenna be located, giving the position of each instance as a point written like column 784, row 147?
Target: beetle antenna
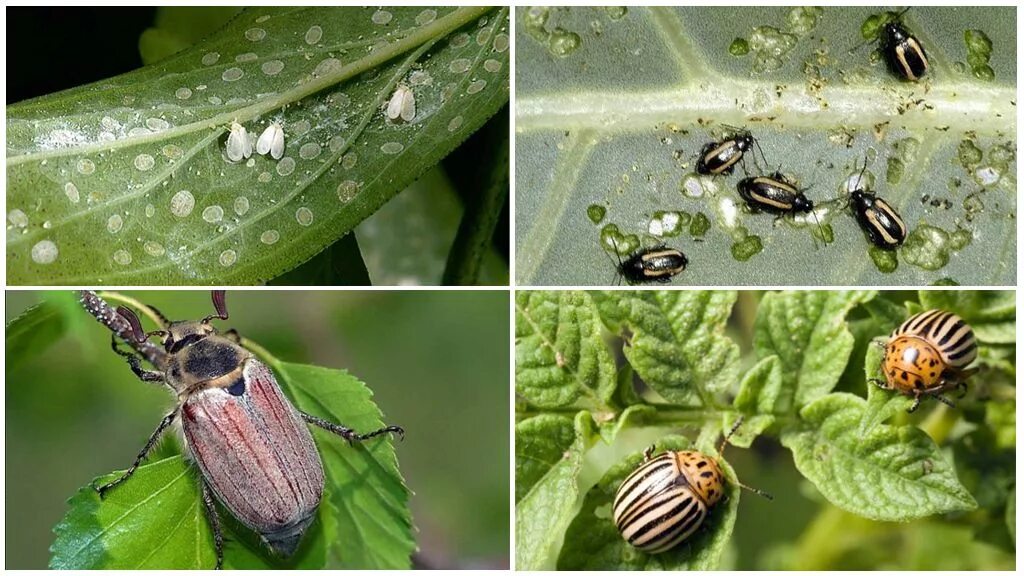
column 761, row 152
column 137, row 332
column 757, row 491
column 618, row 267
column 219, row 304
column 725, row 440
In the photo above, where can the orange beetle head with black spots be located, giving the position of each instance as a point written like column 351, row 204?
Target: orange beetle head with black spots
column 703, row 474
column 912, row 364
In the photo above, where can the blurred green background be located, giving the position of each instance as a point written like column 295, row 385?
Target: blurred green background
column 437, row 362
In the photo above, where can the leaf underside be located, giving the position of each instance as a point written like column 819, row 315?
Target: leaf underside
column 126, row 181
column 616, row 123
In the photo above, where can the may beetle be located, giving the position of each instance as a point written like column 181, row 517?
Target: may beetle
column 927, row 355
column 253, row 449
column 881, row 223
column 668, row 497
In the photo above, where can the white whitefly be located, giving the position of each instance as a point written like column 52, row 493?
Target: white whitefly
column 239, row 145
column 402, row 104
column 272, row 141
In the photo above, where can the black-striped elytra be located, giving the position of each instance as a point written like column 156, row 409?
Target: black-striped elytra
column 252, row 447
column 880, row 222
column 668, row 497
column 927, row 355
column 722, row 156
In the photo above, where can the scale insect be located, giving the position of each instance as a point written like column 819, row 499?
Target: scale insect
column 927, row 355
column 721, row 157
column 272, row 141
column 402, row 105
column 253, row 449
column 877, row 218
column 653, row 264
column 667, row 499
column 239, row 143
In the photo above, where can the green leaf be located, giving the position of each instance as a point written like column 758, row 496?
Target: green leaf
column 32, row 332
column 561, row 357
column 372, row 502
column 156, row 519
column 341, row 264
column 541, row 443
column 807, row 331
column 991, row 313
column 882, row 404
column 756, row 400
column 544, row 512
column 889, row 474
column 614, row 105
column 594, row 543
column 678, row 344
column 127, row 182
column 179, row 27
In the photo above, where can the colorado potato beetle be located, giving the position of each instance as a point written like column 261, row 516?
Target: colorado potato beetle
column 928, row 355
column 667, row 498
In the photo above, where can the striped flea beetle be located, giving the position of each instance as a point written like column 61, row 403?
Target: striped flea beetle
column 773, row 194
column 721, row 157
column 928, row 355
column 667, row 498
column 903, row 53
column 654, row 264
column 252, row 447
column 877, row 218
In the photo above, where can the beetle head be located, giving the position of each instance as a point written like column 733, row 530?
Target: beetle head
column 181, row 334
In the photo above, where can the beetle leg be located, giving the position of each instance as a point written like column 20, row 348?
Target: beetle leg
column 880, row 383
column 135, row 363
column 234, row 336
column 917, row 402
column 945, row 400
column 218, row 536
column 347, row 433
column 962, row 386
column 648, row 453
column 142, row 455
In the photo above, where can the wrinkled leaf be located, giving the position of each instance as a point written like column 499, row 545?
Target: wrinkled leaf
column 544, row 512
column 807, row 331
column 889, row 474
column 756, row 400
column 677, row 346
column 126, row 181
column 541, row 443
column 156, row 520
column 882, row 404
column 614, row 105
column 561, row 358
column 594, row 543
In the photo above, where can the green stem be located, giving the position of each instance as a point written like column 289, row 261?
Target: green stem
column 145, row 309
column 476, row 230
